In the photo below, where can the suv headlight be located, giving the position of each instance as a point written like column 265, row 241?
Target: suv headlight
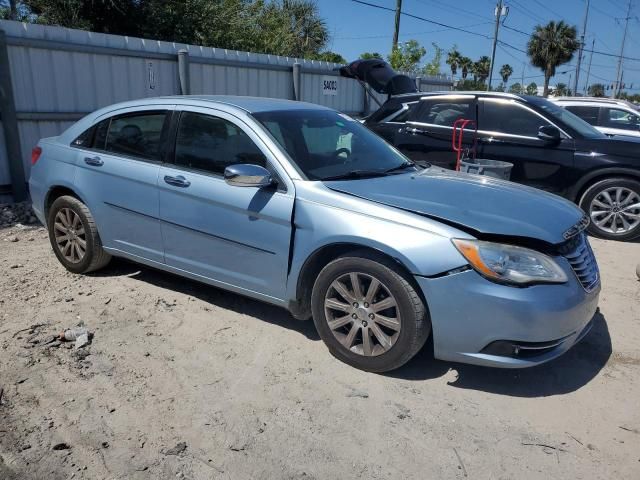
column 510, row 264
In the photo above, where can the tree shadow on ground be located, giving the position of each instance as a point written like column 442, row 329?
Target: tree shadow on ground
column 568, row 373
column 207, row 293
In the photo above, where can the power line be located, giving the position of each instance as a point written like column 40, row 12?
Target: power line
column 457, row 10
column 450, row 27
column 548, row 8
column 427, row 32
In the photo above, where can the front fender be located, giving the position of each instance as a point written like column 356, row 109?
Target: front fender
column 317, row 226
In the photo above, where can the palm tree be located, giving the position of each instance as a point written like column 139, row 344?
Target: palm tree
column 550, row 46
column 505, row 72
column 560, row 90
column 481, row 69
column 453, row 60
column 465, row 65
column 596, row 90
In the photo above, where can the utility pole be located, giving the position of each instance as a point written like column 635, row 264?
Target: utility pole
column 584, row 29
column 397, row 26
column 586, row 83
column 498, row 14
column 616, row 89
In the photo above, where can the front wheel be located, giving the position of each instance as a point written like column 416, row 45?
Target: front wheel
column 613, row 205
column 368, row 314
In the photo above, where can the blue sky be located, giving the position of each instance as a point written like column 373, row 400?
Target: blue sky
column 357, row 28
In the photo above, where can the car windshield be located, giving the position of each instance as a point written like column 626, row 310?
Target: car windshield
column 327, row 145
column 567, row 118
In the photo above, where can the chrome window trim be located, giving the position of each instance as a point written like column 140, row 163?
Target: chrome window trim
column 525, row 107
column 404, row 108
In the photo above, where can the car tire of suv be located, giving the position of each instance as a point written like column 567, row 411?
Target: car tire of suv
column 593, row 197
column 397, row 346
column 74, row 236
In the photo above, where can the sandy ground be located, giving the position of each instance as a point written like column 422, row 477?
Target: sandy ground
column 254, row 394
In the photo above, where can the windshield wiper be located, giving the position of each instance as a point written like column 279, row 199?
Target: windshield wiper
column 357, row 174
column 402, row 166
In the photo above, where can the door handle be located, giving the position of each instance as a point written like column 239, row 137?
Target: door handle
column 93, row 161
column 177, row 181
column 415, row 130
column 490, row 140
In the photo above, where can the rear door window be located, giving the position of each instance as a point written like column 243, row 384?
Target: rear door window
column 509, row 117
column 444, row 111
column 586, row 113
column 619, row 118
column 136, row 135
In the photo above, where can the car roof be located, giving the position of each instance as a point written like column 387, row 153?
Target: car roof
column 600, row 100
column 419, row 95
column 248, row 104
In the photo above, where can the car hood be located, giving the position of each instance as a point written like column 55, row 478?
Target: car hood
column 482, row 204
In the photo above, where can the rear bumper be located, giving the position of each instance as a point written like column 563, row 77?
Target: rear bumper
column 477, row 321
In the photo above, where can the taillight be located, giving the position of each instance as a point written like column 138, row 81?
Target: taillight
column 35, row 155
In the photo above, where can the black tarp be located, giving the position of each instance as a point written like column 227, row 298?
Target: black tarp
column 379, row 75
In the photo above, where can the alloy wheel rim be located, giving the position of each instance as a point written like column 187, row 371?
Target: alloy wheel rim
column 362, row 314
column 616, row 210
column 69, row 235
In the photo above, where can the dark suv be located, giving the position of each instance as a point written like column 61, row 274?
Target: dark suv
column 550, row 148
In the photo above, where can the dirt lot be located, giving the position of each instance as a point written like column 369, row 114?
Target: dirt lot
column 254, row 394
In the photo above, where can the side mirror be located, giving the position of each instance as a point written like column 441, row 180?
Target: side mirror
column 247, row 175
column 549, row 134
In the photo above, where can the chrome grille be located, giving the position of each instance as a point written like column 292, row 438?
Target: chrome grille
column 583, row 262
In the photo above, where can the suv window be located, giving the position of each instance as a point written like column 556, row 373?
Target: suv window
column 444, row 112
column 137, row 135
column 588, row 114
column 510, row 118
column 85, row 139
column 619, row 118
column 211, row 144
column 403, row 116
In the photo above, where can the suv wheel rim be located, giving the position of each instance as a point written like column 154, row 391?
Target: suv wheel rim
column 362, row 314
column 70, row 235
column 616, row 210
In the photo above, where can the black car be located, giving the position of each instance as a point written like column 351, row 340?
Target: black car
column 550, row 148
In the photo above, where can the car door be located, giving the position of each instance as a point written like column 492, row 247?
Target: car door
column 619, row 121
column 236, row 236
column 508, row 131
column 390, row 125
column 118, row 177
column 427, row 135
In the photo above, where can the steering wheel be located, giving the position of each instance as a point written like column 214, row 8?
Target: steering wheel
column 342, row 150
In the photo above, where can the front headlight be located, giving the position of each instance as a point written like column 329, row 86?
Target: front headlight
column 510, row 264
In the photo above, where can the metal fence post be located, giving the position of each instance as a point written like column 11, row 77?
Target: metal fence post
column 183, row 72
column 365, row 101
column 297, row 81
column 10, row 125
column 419, row 83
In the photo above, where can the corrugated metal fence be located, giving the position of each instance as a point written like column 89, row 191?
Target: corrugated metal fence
column 58, row 75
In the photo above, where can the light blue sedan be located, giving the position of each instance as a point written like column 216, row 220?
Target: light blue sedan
column 303, row 207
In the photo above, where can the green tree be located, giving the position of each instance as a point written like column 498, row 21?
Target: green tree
column 370, row 55
column 516, row 88
column 499, row 88
column 532, row 89
column 561, row 90
column 596, row 90
column 466, row 65
column 505, row 72
column 550, row 46
column 329, row 57
column 453, row 60
column 481, row 68
column 407, row 56
column 470, row 85
column 433, row 66
column 282, row 27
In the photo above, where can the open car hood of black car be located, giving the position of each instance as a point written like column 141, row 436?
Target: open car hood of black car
column 379, row 75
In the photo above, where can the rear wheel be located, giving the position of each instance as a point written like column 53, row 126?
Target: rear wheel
column 74, row 236
column 613, row 206
column 368, row 314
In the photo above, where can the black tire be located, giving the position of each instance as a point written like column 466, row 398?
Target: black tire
column 594, row 192
column 94, row 257
column 415, row 323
